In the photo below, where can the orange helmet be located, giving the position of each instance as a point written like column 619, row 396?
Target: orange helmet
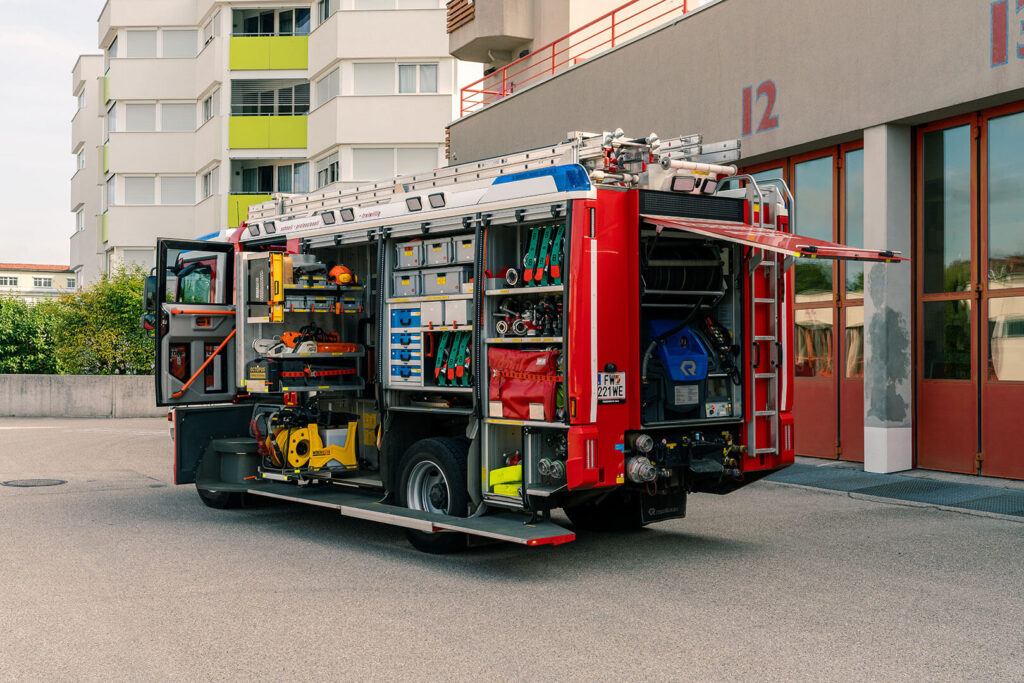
column 340, row 275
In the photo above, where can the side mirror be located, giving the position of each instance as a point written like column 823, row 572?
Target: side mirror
column 147, row 323
column 149, row 294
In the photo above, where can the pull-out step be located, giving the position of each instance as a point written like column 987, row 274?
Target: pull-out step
column 503, row 526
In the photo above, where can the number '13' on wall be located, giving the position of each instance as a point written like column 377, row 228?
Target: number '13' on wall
column 769, row 119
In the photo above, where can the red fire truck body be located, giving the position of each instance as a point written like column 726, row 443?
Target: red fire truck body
column 597, row 326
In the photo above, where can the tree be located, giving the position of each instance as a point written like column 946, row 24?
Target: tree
column 98, row 332
column 27, row 337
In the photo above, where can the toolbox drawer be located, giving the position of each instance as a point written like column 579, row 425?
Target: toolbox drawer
column 406, row 373
column 407, row 284
column 464, row 249
column 457, row 312
column 405, row 317
column 412, row 340
column 409, row 255
column 406, row 354
column 438, row 252
column 444, row 280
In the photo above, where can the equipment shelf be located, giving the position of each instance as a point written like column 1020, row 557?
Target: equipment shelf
column 328, row 289
column 524, row 340
column 525, row 423
column 429, row 297
column 435, row 328
column 430, row 409
column 433, row 389
column 547, row 289
column 354, row 354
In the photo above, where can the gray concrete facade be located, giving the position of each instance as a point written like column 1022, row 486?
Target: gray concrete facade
column 837, row 68
column 78, row 396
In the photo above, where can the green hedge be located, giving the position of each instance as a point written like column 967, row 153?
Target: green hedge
column 92, row 331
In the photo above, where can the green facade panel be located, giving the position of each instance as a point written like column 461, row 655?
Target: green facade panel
column 238, row 207
column 267, row 132
column 249, row 53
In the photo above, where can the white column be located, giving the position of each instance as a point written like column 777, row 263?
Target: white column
column 888, row 302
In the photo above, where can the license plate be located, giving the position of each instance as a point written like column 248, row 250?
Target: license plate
column 611, row 387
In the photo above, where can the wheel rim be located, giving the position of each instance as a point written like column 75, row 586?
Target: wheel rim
column 427, row 488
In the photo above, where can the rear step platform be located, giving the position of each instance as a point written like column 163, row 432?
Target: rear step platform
column 503, row 526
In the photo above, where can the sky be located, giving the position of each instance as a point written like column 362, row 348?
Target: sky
column 39, row 43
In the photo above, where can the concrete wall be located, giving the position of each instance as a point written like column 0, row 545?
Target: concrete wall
column 836, row 67
column 78, row 396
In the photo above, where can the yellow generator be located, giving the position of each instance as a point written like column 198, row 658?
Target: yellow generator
column 315, row 446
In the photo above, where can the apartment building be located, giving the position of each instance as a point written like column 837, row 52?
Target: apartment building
column 34, row 282
column 205, row 107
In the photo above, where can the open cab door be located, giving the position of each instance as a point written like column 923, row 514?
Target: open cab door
column 195, row 322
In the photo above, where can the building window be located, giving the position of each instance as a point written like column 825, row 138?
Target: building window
column 180, row 43
column 327, row 170
column 178, row 190
column 42, row 282
column 111, row 119
column 327, row 88
column 80, row 160
column 81, row 99
column 178, row 117
column 323, row 11
column 79, row 221
column 209, row 184
column 8, row 281
column 71, row 283
column 141, row 43
column 374, row 4
column 417, row 78
column 111, row 191
column 373, row 78
column 209, row 30
column 269, row 98
column 284, row 179
column 373, row 163
column 140, row 191
column 111, row 53
column 300, row 178
column 210, row 106
column 139, row 118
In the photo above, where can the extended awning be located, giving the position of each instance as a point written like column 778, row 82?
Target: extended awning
column 772, row 240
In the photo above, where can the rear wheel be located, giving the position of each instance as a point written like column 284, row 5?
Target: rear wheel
column 433, row 479
column 620, row 511
column 220, row 500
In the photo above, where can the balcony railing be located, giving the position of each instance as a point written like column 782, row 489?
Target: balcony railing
column 604, row 33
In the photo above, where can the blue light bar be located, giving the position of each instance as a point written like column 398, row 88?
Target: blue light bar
column 568, row 177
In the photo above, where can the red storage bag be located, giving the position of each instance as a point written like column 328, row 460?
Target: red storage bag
column 524, row 382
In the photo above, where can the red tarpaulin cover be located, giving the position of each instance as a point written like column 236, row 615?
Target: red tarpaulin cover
column 772, row 240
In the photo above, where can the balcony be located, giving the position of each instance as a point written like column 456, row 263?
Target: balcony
column 357, row 35
column 132, row 13
column 238, row 207
column 258, row 53
column 143, row 225
column 493, row 27
column 267, row 132
column 153, row 152
column 152, row 79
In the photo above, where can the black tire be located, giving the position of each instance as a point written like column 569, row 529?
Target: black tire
column 219, row 500
column 433, row 478
column 618, row 512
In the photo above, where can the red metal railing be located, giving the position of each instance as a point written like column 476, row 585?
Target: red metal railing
column 605, row 32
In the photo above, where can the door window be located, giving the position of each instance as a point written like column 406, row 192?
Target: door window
column 946, row 179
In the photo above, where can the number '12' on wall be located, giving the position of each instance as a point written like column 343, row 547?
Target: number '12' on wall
column 769, row 119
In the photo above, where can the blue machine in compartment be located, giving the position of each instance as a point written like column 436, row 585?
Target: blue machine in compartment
column 683, row 353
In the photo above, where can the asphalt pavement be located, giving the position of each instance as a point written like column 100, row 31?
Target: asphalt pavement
column 120, row 575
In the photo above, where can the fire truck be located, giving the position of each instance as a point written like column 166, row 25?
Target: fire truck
column 602, row 326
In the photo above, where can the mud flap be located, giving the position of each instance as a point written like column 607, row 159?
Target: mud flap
column 668, row 504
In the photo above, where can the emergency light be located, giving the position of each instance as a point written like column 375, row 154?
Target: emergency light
column 414, row 204
column 269, row 228
column 328, row 217
column 348, row 215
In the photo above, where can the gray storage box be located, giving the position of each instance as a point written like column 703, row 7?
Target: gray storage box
column 409, row 255
column 444, row 280
column 407, row 284
column 457, row 312
column 465, row 248
column 438, row 252
column 432, row 313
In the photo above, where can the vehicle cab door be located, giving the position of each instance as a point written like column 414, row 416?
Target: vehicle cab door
column 195, row 322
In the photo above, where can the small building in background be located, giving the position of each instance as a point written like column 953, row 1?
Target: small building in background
column 34, row 282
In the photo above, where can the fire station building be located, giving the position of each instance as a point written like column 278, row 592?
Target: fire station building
column 896, row 124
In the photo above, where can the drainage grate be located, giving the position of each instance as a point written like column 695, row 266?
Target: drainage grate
column 33, row 482
column 1003, row 504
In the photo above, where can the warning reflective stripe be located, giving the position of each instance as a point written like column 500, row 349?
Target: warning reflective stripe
column 773, row 240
